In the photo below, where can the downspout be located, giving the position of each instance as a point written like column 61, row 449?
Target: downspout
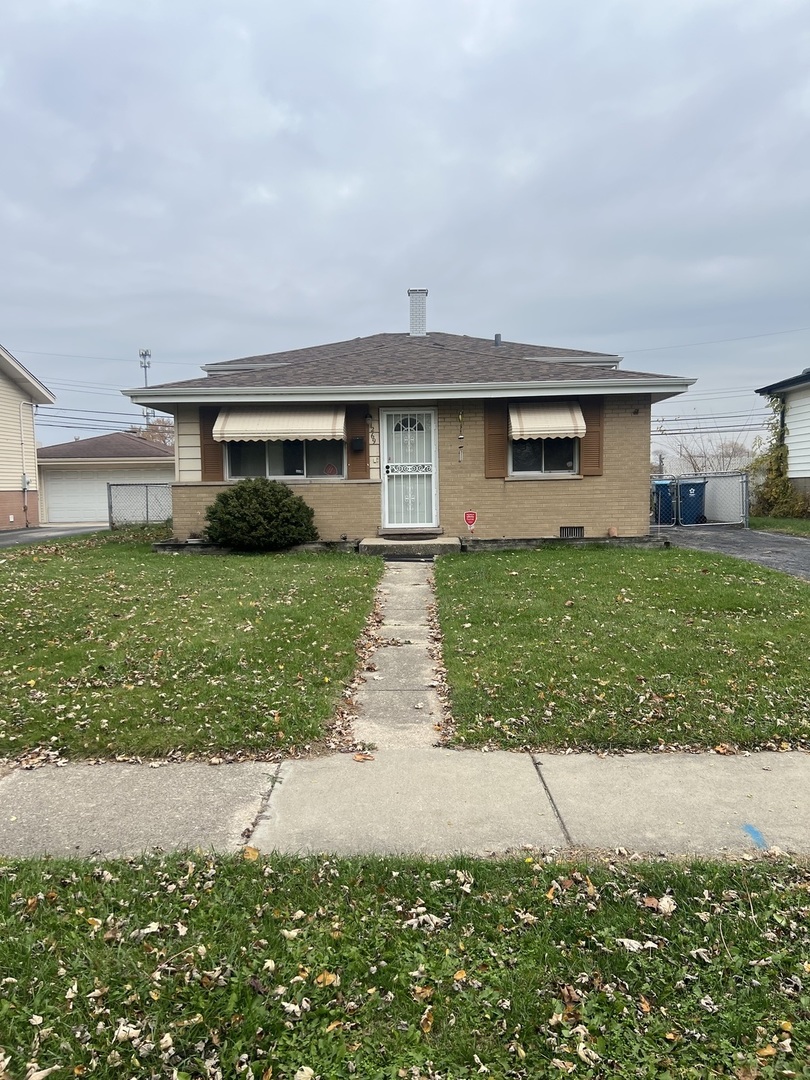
column 25, row 479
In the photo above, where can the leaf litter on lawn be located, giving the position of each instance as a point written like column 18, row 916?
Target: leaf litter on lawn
column 199, row 965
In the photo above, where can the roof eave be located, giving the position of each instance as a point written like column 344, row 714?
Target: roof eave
column 784, row 386
column 660, row 389
column 28, row 383
column 168, row 460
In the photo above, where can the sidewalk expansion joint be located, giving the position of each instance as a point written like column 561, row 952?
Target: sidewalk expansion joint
column 550, row 798
column 264, row 805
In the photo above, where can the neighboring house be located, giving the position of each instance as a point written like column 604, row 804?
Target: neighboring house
column 795, row 393
column 401, row 434
column 74, row 475
column 20, row 393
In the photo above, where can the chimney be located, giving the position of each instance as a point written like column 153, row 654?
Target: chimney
column 497, row 339
column 418, row 312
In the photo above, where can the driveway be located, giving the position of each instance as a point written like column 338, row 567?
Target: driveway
column 41, row 534
column 778, row 551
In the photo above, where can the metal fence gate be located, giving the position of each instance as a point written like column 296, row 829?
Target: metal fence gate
column 699, row 499
column 138, row 504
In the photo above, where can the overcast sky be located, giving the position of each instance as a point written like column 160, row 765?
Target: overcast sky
column 212, row 179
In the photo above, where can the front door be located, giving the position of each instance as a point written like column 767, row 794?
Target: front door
column 409, row 468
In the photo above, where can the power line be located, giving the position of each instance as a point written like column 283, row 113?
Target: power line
column 717, row 341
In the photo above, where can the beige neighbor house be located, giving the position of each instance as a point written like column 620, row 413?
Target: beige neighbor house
column 401, row 435
column 20, row 393
column 795, row 433
column 74, row 475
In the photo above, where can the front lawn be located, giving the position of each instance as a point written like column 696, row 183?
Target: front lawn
column 612, row 649
column 108, row 649
column 793, row 526
column 204, row 966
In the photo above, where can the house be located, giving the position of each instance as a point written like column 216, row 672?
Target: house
column 795, row 395
column 74, row 475
column 402, row 434
column 20, row 393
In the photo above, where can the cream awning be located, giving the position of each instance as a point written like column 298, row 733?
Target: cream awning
column 276, row 424
column 546, row 420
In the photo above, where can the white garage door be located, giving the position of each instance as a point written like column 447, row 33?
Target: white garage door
column 80, row 495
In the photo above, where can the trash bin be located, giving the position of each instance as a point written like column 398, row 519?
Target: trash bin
column 663, row 503
column 691, row 502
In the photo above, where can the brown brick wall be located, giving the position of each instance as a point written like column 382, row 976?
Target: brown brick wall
column 11, row 505
column 619, row 498
column 351, row 507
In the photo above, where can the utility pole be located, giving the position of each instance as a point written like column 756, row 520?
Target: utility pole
column 146, row 362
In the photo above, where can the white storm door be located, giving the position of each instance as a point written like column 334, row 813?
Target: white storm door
column 409, row 468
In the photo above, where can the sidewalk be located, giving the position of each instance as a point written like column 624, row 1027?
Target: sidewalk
column 413, row 797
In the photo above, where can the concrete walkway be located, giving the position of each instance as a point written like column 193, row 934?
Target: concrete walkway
column 408, row 795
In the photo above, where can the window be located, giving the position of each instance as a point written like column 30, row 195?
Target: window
column 544, row 456
column 312, row 458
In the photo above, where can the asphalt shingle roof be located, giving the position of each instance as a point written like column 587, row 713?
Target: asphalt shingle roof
column 119, row 444
column 402, row 360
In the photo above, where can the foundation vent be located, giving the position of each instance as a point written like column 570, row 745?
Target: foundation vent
column 572, row 532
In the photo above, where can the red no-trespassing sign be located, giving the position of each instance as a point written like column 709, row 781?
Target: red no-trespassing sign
column 470, row 518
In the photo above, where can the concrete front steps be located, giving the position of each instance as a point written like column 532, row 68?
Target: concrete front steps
column 426, row 548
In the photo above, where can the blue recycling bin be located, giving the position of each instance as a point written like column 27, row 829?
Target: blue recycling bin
column 663, row 503
column 691, row 502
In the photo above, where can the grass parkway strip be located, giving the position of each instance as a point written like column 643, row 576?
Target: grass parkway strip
column 283, row 968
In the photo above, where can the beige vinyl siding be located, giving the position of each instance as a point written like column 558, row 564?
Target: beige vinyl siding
column 797, row 421
column 11, row 449
column 187, row 444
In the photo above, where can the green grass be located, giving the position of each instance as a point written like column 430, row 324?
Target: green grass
column 108, row 649
column 793, row 526
column 183, row 966
column 626, row 648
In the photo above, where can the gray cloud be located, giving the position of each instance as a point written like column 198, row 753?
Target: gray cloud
column 212, row 179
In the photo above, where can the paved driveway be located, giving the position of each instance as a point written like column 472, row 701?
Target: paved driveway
column 776, row 550
column 40, row 534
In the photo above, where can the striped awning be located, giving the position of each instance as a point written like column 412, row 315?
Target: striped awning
column 546, row 420
column 276, row 424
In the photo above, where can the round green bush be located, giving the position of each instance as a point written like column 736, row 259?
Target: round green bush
column 259, row 515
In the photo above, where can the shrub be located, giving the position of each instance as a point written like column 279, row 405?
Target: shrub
column 259, row 515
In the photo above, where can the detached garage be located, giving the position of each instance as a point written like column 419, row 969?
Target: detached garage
column 73, row 476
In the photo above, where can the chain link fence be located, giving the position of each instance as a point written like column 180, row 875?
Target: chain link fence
column 138, row 504
column 704, row 499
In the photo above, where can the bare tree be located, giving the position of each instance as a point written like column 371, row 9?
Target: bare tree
column 160, row 429
column 705, row 454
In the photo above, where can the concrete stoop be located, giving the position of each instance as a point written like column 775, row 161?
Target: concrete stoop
column 413, row 549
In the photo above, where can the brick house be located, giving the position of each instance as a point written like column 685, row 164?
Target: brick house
column 20, row 394
column 401, row 434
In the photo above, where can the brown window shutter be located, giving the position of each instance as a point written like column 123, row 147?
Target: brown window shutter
column 496, row 439
column 590, row 446
column 356, row 428
column 210, row 451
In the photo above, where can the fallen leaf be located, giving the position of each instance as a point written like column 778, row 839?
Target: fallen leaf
column 251, row 854
column 327, row 978
column 363, row 757
column 426, row 1023
column 766, row 1051
column 666, row 905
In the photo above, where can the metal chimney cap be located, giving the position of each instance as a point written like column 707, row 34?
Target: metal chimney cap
column 497, row 339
